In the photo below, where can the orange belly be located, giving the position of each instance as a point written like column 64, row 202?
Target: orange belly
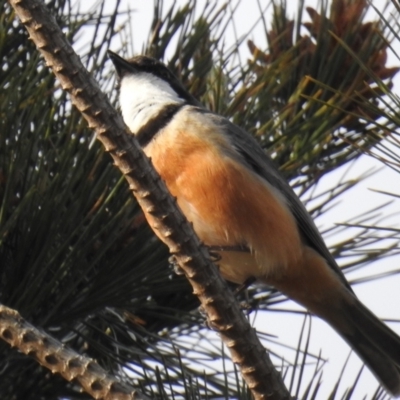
column 228, row 205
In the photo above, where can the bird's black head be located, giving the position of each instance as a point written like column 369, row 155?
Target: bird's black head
column 152, row 66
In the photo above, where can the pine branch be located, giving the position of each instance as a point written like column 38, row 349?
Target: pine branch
column 53, row 355
column 223, row 312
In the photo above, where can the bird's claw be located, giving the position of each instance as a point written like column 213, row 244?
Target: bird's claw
column 173, row 262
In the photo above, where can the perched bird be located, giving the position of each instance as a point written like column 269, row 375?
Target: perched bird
column 243, row 209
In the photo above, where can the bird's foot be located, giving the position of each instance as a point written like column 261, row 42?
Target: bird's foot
column 173, row 262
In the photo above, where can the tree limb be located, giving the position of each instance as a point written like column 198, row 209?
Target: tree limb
column 224, row 314
column 53, row 355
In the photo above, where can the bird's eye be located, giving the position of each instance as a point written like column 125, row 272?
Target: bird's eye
column 164, row 73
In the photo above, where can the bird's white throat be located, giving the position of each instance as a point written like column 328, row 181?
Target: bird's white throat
column 142, row 97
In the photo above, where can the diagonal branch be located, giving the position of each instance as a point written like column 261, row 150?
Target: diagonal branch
column 223, row 312
column 53, row 355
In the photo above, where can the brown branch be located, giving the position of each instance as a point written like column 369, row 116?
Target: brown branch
column 223, row 312
column 53, row 355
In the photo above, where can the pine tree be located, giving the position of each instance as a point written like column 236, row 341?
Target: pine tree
column 77, row 258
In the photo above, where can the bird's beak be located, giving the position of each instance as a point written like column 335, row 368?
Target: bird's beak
column 121, row 65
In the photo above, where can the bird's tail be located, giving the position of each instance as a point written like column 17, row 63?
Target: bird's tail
column 323, row 291
column 376, row 344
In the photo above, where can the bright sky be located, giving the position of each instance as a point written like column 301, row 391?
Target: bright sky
column 383, row 296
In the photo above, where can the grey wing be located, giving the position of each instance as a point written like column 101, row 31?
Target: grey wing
column 257, row 160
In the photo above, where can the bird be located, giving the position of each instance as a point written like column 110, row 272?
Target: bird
column 244, row 210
